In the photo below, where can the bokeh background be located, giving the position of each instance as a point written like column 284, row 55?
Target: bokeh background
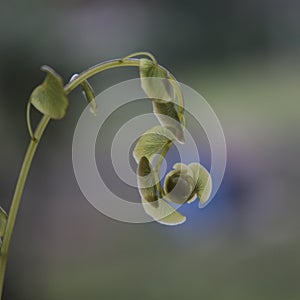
column 243, row 57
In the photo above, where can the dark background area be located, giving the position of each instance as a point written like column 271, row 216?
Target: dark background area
column 243, row 57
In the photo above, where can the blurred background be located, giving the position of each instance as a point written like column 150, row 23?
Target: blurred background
column 243, row 57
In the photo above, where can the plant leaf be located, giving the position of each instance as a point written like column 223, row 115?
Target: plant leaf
column 152, row 142
column 168, row 117
column 164, row 213
column 147, row 182
column 89, row 94
column 203, row 182
column 3, row 221
column 157, row 86
column 154, row 80
column 49, row 97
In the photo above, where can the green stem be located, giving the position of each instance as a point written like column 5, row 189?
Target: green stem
column 127, row 62
column 141, row 54
column 116, row 63
column 17, row 197
column 123, row 62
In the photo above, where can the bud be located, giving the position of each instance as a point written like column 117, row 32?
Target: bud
column 179, row 186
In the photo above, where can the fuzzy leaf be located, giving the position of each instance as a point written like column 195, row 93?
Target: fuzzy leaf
column 168, row 117
column 152, row 142
column 164, row 213
column 3, row 220
column 147, row 182
column 203, row 182
column 50, row 98
column 154, row 87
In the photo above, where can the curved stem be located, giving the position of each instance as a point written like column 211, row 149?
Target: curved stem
column 116, row 63
column 126, row 62
column 17, row 197
column 141, row 54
